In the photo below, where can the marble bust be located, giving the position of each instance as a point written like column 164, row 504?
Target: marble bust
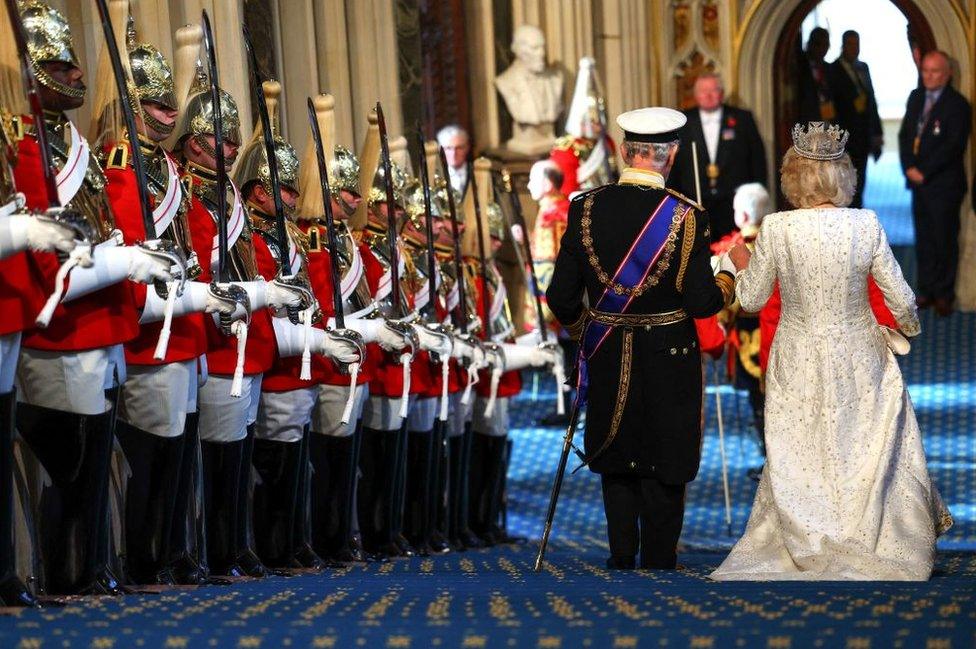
column 532, row 91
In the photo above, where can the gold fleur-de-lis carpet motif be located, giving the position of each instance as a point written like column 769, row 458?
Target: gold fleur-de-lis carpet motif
column 492, row 598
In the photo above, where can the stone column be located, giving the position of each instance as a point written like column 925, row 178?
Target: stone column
column 480, row 36
column 373, row 64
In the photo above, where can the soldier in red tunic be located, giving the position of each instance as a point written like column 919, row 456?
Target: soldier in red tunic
column 69, row 372
column 22, row 296
column 157, row 406
column 586, row 154
column 226, row 420
column 288, row 394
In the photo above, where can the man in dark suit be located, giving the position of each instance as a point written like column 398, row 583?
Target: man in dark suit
column 857, row 108
column 730, row 153
column 816, row 97
column 932, row 142
column 641, row 372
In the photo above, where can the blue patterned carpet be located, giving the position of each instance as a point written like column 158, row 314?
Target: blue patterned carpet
column 492, row 598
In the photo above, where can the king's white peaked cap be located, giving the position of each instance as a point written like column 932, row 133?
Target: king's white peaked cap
column 652, row 124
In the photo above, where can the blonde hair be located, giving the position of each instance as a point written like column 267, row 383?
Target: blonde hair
column 807, row 182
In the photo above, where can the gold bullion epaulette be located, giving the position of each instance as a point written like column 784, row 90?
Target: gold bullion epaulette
column 118, row 158
column 564, row 143
column 583, row 195
column 684, row 198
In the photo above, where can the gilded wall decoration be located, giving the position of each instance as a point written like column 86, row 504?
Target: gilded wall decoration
column 710, row 25
column 682, row 23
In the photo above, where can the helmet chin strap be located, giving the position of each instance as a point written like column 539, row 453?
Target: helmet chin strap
column 45, row 79
column 151, row 122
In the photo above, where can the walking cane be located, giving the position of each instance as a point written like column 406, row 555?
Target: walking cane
column 721, row 448
column 557, row 484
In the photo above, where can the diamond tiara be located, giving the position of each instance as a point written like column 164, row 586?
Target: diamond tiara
column 819, row 141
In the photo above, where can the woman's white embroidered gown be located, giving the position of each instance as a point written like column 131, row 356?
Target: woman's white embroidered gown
column 845, row 494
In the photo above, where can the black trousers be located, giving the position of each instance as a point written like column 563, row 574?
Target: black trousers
column 936, row 217
column 643, row 515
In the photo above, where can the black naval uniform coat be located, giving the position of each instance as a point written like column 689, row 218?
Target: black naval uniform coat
column 740, row 158
column 659, row 434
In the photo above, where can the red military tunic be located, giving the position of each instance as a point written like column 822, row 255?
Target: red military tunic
column 510, row 383
column 325, row 370
column 387, row 373
column 188, row 339
column 259, row 354
column 100, row 319
column 567, row 153
column 23, row 291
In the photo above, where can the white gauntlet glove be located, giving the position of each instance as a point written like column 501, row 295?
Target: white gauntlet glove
column 431, row 341
column 518, row 357
column 338, row 349
column 533, row 338
column 112, row 264
column 143, row 267
column 196, row 298
column 374, row 331
column 725, row 263
column 20, row 232
column 268, row 294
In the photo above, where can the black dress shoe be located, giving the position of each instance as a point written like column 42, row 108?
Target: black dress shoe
column 406, row 550
column 104, row 582
column 251, row 564
column 470, row 540
column 14, row 593
column 187, row 571
column 943, row 307
column 621, row 563
column 438, row 544
column 165, row 577
column 306, row 557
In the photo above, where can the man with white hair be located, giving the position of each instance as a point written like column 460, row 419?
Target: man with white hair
column 640, row 362
column 457, row 148
column 730, row 152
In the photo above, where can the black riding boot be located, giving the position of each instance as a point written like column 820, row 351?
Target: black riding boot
column 221, row 481
column 303, row 553
column 275, row 499
column 13, row 592
column 487, row 468
column 437, row 494
column 400, row 494
column 419, row 486
column 246, row 557
column 150, row 501
column 468, row 538
column 76, row 452
column 333, row 484
column 187, row 560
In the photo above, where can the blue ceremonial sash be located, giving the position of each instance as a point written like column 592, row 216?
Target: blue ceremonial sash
column 636, row 265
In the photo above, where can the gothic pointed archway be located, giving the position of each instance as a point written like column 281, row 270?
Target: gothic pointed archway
column 766, row 26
